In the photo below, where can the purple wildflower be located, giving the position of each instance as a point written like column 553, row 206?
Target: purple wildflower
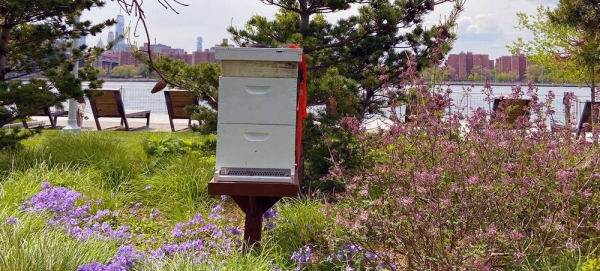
column 11, row 221
column 302, row 257
column 215, row 213
column 270, row 216
column 125, row 259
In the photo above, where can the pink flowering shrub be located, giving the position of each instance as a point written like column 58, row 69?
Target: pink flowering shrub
column 445, row 190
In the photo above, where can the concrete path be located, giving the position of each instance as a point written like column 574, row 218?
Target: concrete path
column 159, row 122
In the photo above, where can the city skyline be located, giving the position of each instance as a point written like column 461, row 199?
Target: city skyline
column 485, row 24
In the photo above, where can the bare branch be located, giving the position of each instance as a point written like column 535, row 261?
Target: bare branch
column 134, row 8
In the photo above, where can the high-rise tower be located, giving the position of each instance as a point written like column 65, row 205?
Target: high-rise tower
column 119, row 31
column 199, row 44
column 111, row 36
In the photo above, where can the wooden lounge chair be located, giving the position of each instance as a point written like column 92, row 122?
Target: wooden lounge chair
column 177, row 100
column 514, row 108
column 52, row 115
column 109, row 104
column 586, row 117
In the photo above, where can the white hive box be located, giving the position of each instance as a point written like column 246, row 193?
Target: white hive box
column 256, row 131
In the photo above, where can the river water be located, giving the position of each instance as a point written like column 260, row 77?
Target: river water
column 137, row 96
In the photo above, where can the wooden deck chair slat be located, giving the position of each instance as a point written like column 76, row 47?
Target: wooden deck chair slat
column 109, row 103
column 52, row 116
column 176, row 103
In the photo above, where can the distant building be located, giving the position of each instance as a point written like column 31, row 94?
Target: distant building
column 482, row 61
column 163, row 49
column 100, row 43
column 519, row 65
column 504, row 64
column 204, row 56
column 111, row 36
column 464, row 63
column 462, row 70
column 199, row 44
column 119, row 34
column 112, row 58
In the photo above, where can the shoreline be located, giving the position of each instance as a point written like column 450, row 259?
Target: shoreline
column 460, row 83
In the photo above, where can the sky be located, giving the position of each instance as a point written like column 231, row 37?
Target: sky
column 484, row 27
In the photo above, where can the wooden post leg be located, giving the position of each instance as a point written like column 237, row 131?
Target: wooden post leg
column 254, row 208
column 253, row 223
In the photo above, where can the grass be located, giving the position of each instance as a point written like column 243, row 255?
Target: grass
column 116, row 168
column 33, row 245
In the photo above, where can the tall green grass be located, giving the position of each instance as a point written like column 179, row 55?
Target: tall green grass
column 258, row 259
column 302, row 222
column 118, row 160
column 31, row 245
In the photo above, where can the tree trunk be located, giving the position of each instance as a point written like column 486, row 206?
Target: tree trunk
column 4, row 38
column 304, row 18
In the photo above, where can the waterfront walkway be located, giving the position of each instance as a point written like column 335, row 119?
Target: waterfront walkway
column 159, row 122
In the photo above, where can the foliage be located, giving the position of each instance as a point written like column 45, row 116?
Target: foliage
column 35, row 40
column 507, row 77
column 534, row 73
column 11, row 138
column 583, row 16
column 126, row 71
column 467, row 192
column 158, row 146
column 567, row 50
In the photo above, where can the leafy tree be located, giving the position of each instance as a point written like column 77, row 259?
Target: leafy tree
column 346, row 59
column 125, row 71
column 450, row 73
column 561, row 49
column 437, row 74
column 479, row 74
column 584, row 16
column 35, row 40
column 534, row 73
column 102, row 72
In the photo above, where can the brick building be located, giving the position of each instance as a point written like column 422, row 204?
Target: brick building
column 504, row 64
column 516, row 64
column 464, row 63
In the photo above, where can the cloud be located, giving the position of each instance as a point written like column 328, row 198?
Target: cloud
column 479, row 27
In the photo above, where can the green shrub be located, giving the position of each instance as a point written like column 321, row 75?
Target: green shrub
column 11, row 138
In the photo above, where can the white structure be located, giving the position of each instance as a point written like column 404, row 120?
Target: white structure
column 73, row 106
column 199, row 44
column 257, row 114
column 119, row 34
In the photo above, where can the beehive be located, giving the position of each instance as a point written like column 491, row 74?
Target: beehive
column 257, row 114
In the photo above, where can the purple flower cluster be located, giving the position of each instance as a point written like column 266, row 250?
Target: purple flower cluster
column 66, row 210
column 351, row 254
column 302, row 257
column 198, row 238
column 127, row 257
column 270, row 217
